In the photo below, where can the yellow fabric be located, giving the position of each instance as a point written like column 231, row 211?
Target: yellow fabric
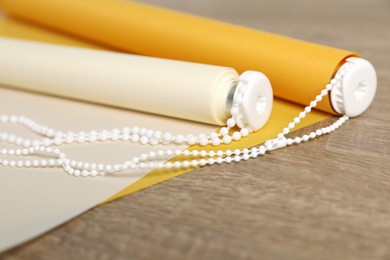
column 283, row 111
column 17, row 29
column 297, row 70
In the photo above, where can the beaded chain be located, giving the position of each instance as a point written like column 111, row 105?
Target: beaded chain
column 157, row 159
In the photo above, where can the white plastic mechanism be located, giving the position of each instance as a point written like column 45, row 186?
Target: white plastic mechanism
column 254, row 95
column 355, row 87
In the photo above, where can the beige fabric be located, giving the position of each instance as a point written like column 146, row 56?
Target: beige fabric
column 187, row 90
column 35, row 201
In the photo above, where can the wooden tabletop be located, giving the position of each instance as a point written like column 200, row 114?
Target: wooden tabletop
column 326, row 199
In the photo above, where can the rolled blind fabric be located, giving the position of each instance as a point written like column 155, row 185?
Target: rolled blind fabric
column 186, row 90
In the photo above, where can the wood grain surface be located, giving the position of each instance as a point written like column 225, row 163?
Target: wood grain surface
column 326, row 199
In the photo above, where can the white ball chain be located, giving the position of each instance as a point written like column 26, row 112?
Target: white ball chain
column 154, row 159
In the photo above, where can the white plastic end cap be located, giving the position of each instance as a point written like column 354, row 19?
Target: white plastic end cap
column 257, row 100
column 357, row 89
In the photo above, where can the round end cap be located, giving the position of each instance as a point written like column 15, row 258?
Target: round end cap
column 356, row 90
column 257, row 100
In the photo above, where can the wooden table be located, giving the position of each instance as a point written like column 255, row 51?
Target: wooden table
column 326, row 199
